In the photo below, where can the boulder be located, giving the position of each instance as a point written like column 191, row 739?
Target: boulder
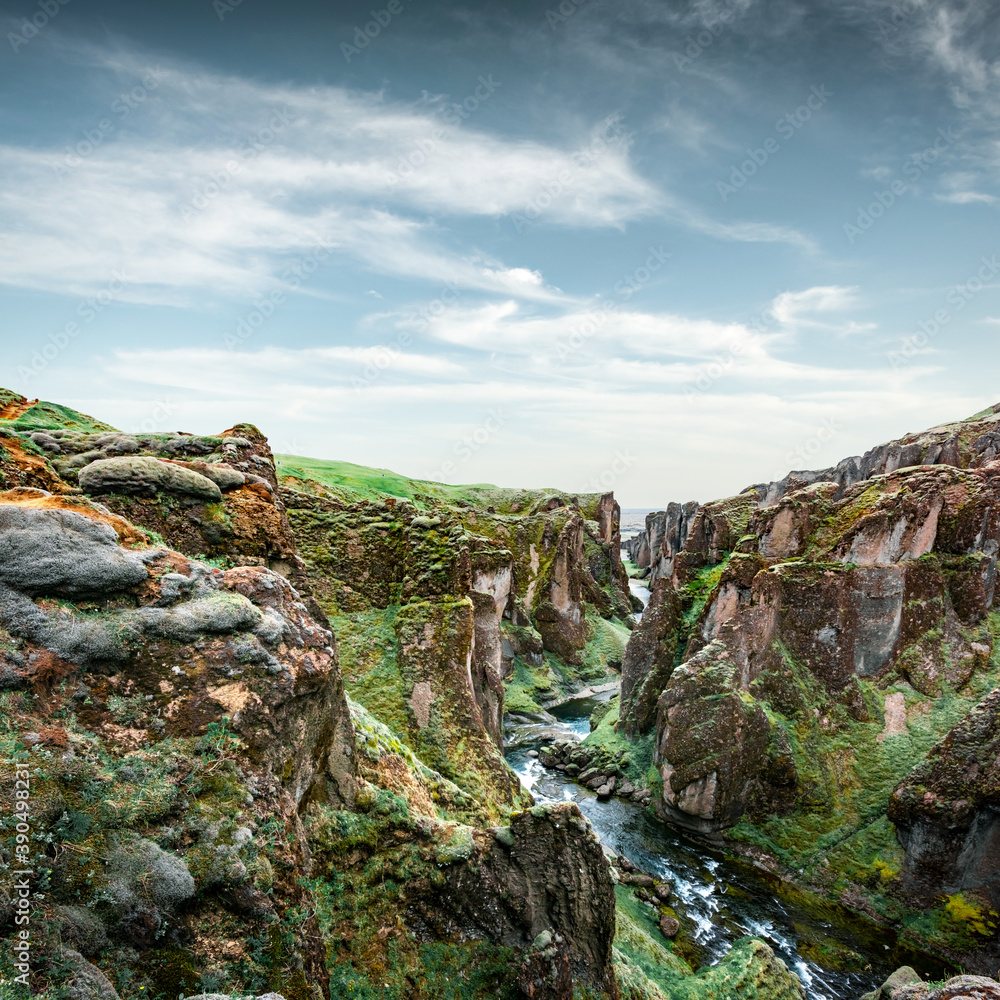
column 62, row 553
column 669, row 927
column 146, row 476
column 83, row 980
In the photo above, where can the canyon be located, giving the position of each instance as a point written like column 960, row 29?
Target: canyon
column 266, row 705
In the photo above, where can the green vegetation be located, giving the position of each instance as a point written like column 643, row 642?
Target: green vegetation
column 352, row 483
column 649, row 967
column 44, row 416
column 633, row 756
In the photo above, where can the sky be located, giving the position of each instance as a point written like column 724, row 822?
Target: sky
column 669, row 249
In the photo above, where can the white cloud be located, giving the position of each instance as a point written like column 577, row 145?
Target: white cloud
column 221, row 182
column 799, row 308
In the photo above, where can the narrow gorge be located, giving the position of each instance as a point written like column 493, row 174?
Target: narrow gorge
column 299, row 727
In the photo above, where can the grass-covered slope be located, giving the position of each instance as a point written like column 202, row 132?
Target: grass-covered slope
column 356, row 483
column 20, row 414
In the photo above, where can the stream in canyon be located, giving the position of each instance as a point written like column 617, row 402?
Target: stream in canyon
column 717, row 899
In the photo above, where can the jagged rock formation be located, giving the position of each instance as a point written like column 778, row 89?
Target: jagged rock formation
column 459, row 593
column 857, row 609
column 213, row 814
column 965, row 444
column 947, row 814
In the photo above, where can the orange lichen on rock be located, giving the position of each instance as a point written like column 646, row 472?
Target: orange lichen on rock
column 128, row 534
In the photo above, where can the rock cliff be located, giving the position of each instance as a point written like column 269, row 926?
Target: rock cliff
column 209, row 812
column 965, row 444
column 819, row 665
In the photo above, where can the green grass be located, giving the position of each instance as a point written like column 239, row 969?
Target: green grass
column 635, row 756
column 45, row 416
column 357, row 483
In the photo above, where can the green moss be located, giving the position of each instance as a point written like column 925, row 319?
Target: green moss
column 638, row 937
column 45, row 416
column 634, row 756
column 606, row 642
column 458, row 847
column 697, row 591
column 366, row 642
column 649, row 967
column 977, row 918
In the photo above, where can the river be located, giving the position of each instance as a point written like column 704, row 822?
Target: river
column 718, row 899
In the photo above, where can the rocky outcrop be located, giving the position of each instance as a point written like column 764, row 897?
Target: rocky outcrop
column 441, row 593
column 894, row 579
column 463, row 591
column 528, row 906
column 146, row 476
column 809, row 647
column 684, row 538
column 906, row 984
column 187, row 643
column 650, row 657
column 556, row 901
column 965, row 444
column 947, row 813
column 162, row 710
column 666, row 532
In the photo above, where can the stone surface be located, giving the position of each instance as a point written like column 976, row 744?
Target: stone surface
column 947, row 811
column 553, row 883
column 145, row 476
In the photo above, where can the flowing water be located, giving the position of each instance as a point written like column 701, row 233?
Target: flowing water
column 719, row 898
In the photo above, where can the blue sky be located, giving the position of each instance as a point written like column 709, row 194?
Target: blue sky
column 670, row 248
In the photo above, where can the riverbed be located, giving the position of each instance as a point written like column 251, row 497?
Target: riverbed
column 718, row 900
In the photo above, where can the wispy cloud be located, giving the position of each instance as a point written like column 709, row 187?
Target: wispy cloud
column 222, row 181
